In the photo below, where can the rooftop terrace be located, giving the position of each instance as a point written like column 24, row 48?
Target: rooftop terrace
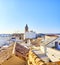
column 14, row 60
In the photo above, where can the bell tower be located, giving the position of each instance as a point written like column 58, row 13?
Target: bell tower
column 26, row 28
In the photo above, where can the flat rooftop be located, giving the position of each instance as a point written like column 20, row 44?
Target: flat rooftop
column 41, row 55
column 14, row 60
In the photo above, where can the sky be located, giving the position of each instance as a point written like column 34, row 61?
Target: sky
column 42, row 16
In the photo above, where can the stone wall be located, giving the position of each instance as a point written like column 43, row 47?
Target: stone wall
column 34, row 60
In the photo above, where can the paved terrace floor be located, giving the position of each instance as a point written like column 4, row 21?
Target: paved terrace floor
column 14, row 60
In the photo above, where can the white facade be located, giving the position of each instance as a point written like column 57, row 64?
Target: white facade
column 42, row 48
column 30, row 35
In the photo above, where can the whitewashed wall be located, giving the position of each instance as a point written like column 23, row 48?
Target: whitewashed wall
column 30, row 35
column 42, row 49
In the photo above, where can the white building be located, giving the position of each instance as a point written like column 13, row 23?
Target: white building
column 30, row 35
column 51, row 48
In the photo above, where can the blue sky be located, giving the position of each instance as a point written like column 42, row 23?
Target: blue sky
column 40, row 15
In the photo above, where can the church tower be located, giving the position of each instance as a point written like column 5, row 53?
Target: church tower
column 26, row 28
